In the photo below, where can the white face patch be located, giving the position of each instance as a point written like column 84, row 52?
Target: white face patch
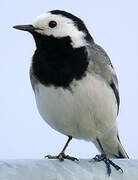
column 65, row 27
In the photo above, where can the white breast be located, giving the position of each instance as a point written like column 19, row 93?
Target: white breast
column 86, row 112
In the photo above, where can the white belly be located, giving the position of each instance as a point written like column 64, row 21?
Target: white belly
column 86, row 112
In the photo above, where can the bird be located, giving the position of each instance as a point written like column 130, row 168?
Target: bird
column 75, row 84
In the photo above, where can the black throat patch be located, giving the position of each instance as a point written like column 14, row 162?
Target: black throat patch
column 56, row 63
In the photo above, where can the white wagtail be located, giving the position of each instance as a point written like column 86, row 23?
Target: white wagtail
column 75, row 84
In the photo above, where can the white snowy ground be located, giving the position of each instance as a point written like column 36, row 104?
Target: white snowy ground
column 45, row 169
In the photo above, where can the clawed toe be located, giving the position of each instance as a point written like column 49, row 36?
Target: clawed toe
column 71, row 158
column 108, row 163
column 61, row 157
column 115, row 166
column 54, row 157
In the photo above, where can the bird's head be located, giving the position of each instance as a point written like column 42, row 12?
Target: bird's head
column 59, row 24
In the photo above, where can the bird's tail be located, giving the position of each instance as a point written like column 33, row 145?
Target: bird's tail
column 112, row 147
column 121, row 152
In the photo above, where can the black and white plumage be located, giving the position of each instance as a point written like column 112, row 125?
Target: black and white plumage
column 74, row 82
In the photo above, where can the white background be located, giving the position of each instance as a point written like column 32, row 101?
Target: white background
column 114, row 25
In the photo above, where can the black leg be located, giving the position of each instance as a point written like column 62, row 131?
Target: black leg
column 108, row 163
column 67, row 143
column 62, row 155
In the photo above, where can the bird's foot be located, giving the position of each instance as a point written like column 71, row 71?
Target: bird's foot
column 61, row 157
column 108, row 163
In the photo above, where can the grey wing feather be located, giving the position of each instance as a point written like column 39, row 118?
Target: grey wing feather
column 100, row 64
column 32, row 79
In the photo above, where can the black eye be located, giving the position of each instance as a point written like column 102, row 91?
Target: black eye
column 52, row 24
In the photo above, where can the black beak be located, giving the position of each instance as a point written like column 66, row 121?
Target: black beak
column 29, row 28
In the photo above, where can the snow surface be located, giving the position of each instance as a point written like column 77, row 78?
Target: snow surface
column 45, row 169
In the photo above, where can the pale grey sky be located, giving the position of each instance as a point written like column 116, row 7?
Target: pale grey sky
column 114, row 25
